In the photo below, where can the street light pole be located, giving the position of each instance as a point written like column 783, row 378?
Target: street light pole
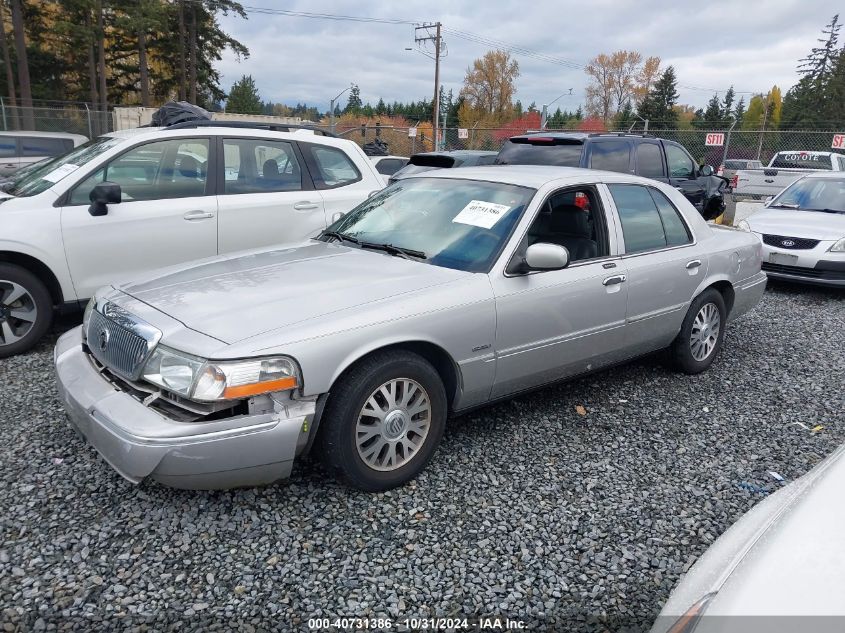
column 545, row 115
column 331, row 108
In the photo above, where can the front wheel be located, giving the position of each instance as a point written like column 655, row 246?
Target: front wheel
column 702, row 333
column 26, row 310
column 384, row 420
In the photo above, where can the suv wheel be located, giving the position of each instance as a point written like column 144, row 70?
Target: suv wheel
column 384, row 420
column 26, row 310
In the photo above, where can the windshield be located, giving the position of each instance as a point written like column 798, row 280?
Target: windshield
column 48, row 174
column 801, row 160
column 454, row 223
column 541, row 153
column 813, row 194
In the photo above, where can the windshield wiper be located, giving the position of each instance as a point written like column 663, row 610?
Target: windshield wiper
column 827, row 210
column 340, row 237
column 407, row 253
column 785, row 205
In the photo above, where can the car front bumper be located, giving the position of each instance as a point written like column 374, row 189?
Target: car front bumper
column 816, row 266
column 139, row 442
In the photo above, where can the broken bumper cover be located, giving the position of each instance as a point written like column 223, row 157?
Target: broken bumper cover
column 139, row 442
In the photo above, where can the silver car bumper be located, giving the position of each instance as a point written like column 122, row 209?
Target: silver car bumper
column 139, row 442
column 817, row 266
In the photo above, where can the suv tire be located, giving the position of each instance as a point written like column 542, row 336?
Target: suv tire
column 26, row 310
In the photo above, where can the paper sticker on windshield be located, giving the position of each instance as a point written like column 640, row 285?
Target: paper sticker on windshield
column 480, row 213
column 57, row 174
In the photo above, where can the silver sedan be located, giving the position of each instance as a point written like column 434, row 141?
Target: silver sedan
column 439, row 294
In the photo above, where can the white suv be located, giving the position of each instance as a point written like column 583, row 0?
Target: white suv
column 143, row 199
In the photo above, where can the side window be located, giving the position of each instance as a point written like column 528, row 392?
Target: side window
column 611, row 156
column 650, row 161
column 42, row 146
column 260, row 166
column 680, row 164
column 176, row 168
column 334, row 169
column 389, row 166
column 642, row 227
column 572, row 218
column 486, row 160
column 8, row 147
column 673, row 225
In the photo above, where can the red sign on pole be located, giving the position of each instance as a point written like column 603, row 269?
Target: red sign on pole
column 714, row 139
column 838, row 141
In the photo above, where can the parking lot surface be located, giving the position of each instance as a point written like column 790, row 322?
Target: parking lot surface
column 529, row 509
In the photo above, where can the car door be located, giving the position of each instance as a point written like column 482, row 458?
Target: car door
column 337, row 178
column 167, row 214
column 683, row 174
column 9, row 155
column 266, row 195
column 649, row 161
column 663, row 263
column 558, row 323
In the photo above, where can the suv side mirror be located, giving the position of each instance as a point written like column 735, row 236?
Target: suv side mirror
column 543, row 256
column 706, row 170
column 102, row 195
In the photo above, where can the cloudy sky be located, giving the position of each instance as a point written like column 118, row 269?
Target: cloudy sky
column 712, row 44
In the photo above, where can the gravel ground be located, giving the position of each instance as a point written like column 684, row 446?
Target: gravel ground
column 529, row 509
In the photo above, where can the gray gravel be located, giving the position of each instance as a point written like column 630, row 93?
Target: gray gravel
column 529, row 509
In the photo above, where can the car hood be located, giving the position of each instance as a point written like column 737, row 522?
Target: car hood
column 236, row 298
column 793, row 223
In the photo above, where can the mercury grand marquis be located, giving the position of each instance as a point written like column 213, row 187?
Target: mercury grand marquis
column 441, row 293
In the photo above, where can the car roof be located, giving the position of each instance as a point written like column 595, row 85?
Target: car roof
column 224, row 130
column 36, row 133
column 580, row 136
column 534, row 176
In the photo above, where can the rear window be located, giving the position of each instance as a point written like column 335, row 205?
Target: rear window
column 801, row 160
column 526, row 153
column 735, row 164
column 44, row 146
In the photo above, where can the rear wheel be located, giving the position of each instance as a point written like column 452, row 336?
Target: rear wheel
column 26, row 310
column 384, row 420
column 702, row 333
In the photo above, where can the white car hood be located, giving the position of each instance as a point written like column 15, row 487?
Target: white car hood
column 814, row 225
column 235, row 298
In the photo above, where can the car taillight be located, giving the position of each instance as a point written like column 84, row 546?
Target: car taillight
column 734, row 181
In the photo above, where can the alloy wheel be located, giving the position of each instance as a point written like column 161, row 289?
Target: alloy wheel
column 18, row 312
column 705, row 331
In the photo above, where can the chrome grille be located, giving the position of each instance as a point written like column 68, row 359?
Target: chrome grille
column 122, row 347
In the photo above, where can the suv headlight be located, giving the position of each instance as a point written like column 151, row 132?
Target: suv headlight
column 838, row 247
column 205, row 380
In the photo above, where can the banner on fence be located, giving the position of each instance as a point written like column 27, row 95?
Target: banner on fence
column 463, row 132
column 714, row 139
column 838, row 141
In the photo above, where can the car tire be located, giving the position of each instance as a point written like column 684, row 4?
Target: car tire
column 696, row 345
column 22, row 297
column 376, row 450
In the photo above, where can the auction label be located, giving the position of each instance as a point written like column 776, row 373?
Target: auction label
column 57, row 174
column 481, row 213
column 487, row 623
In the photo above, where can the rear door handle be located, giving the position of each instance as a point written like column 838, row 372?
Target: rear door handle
column 198, row 214
column 305, row 205
column 693, row 264
column 615, row 279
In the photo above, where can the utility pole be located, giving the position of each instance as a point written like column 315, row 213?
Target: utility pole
column 438, row 42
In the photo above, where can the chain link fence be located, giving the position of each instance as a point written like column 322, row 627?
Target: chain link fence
column 75, row 119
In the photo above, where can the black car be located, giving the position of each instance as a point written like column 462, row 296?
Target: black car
column 425, row 161
column 645, row 156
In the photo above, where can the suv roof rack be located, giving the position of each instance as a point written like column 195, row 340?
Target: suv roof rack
column 273, row 127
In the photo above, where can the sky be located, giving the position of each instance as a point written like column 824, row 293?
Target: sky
column 751, row 45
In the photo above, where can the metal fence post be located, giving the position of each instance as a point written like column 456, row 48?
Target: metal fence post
column 3, row 105
column 728, row 142
column 90, row 129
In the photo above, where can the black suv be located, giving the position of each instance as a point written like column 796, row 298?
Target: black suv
column 645, row 156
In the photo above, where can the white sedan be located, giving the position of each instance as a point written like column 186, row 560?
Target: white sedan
column 803, row 231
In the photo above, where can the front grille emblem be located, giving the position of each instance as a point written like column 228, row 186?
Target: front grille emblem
column 103, row 339
column 787, row 243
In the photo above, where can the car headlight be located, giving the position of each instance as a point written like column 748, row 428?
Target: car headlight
column 743, row 225
column 839, row 247
column 205, row 380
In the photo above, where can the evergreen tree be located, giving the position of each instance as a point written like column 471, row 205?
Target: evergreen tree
column 625, row 117
column 727, row 104
column 244, row 98
column 353, row 104
column 658, row 104
column 381, row 108
column 712, row 116
column 739, row 112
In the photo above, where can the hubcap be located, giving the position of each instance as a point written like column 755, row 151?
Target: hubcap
column 705, row 331
column 393, row 424
column 17, row 312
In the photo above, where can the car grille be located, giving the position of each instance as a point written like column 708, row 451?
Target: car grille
column 792, row 243
column 117, row 347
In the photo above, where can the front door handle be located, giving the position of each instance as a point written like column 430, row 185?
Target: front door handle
column 693, row 264
column 615, row 279
column 305, row 205
column 198, row 214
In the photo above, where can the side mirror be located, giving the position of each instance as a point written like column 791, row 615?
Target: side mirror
column 706, row 170
column 544, row 256
column 102, row 195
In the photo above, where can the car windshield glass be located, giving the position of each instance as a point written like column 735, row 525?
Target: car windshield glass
column 814, row 194
column 38, row 180
column 460, row 224
column 562, row 155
